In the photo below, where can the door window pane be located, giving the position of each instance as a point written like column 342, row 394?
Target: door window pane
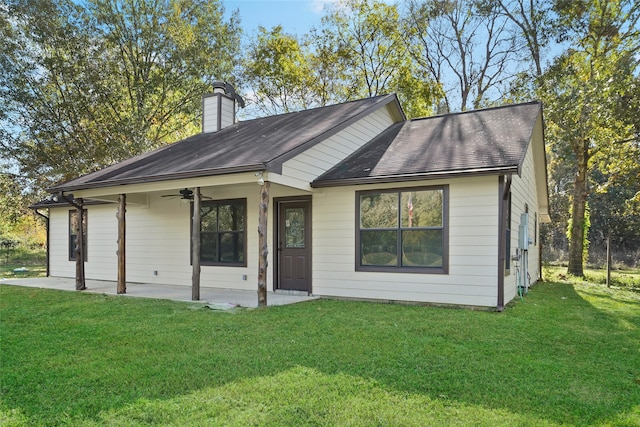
column 294, row 227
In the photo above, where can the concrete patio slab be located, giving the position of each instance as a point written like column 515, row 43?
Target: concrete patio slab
column 211, row 296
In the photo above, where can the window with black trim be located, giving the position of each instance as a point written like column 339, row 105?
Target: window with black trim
column 403, row 230
column 222, row 232
column 73, row 233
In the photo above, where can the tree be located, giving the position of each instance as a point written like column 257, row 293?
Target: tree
column 581, row 91
column 84, row 86
column 366, row 39
column 465, row 46
column 532, row 20
column 279, row 71
column 358, row 52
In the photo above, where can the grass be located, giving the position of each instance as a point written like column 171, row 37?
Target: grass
column 566, row 355
column 628, row 278
column 7, row 271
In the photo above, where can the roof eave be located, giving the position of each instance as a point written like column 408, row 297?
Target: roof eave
column 44, row 204
column 383, row 179
column 158, row 178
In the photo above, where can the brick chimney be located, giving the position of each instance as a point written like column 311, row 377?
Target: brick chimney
column 219, row 107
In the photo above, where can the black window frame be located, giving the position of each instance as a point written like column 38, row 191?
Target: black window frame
column 399, row 268
column 217, row 203
column 72, row 236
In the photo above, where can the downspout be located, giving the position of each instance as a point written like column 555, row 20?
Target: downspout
column 504, row 186
column 46, row 222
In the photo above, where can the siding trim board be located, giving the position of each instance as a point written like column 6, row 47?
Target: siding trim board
column 413, row 177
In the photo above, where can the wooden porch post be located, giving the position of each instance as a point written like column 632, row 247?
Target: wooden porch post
column 122, row 259
column 195, row 246
column 80, row 280
column 263, row 245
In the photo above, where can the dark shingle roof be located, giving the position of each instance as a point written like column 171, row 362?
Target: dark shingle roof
column 251, row 145
column 480, row 141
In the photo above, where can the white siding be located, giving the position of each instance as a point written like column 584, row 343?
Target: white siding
column 473, row 248
column 158, row 234
column 210, row 112
column 312, row 163
column 158, row 240
column 524, row 194
column 101, row 243
column 59, row 263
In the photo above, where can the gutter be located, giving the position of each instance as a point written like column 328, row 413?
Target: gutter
column 157, row 178
column 338, row 182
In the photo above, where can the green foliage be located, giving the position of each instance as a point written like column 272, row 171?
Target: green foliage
column 20, row 228
column 135, row 361
column 358, row 52
column 587, row 125
column 373, row 56
column 279, row 69
column 625, row 279
column 586, row 225
column 86, row 85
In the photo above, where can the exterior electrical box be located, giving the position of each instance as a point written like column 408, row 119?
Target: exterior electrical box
column 523, row 232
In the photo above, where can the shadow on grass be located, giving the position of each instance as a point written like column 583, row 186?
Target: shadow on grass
column 554, row 358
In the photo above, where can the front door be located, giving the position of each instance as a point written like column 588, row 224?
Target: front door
column 294, row 245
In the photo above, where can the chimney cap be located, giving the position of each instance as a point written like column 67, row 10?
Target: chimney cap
column 229, row 90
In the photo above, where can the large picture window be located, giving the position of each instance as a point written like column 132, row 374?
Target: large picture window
column 403, row 230
column 222, row 232
column 73, row 233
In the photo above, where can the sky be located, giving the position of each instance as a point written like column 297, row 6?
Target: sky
column 295, row 16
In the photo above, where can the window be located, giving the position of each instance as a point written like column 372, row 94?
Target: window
column 403, row 230
column 73, row 233
column 222, row 232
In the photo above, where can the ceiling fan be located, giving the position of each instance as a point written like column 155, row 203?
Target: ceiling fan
column 185, row 194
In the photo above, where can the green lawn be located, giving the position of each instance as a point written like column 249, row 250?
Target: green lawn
column 568, row 354
column 7, row 271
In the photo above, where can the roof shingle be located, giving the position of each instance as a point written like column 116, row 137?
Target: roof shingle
column 251, row 145
column 475, row 141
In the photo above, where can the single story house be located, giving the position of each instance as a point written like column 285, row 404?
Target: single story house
column 350, row 200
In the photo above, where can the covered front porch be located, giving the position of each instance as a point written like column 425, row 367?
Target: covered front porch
column 214, row 297
column 159, row 242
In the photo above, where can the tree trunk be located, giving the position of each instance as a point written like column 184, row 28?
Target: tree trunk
column 195, row 245
column 578, row 211
column 122, row 232
column 609, row 259
column 263, row 245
